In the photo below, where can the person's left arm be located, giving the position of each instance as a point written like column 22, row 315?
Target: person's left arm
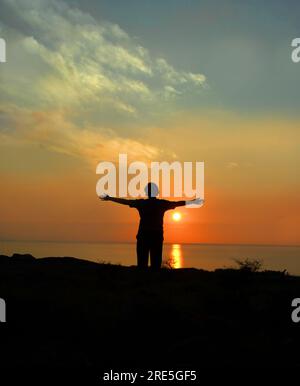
column 122, row 201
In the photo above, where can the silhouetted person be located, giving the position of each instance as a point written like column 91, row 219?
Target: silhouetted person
column 150, row 234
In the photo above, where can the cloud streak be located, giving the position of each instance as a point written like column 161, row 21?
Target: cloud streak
column 78, row 60
column 66, row 71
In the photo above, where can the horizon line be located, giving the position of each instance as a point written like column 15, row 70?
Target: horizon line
column 165, row 243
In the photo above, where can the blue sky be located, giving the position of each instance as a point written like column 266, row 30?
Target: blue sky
column 243, row 47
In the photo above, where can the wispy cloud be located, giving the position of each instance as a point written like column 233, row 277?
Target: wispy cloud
column 66, row 71
column 70, row 58
column 54, row 131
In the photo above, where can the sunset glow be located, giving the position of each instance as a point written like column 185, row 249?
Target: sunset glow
column 176, row 216
column 133, row 92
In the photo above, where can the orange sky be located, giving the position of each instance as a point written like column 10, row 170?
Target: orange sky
column 244, row 204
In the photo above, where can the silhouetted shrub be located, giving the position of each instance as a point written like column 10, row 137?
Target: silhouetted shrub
column 249, row 265
column 168, row 264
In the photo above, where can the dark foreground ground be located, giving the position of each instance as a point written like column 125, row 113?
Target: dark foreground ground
column 65, row 312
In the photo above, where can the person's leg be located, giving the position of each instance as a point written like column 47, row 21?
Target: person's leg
column 142, row 252
column 156, row 248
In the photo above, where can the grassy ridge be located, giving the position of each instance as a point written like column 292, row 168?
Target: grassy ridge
column 70, row 312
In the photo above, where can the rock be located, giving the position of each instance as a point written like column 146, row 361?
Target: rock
column 23, row 257
column 4, row 259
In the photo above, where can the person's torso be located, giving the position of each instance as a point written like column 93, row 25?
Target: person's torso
column 151, row 213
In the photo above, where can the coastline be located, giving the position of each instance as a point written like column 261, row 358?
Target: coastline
column 71, row 312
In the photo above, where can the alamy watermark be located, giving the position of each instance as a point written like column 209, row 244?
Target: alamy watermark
column 2, row 311
column 296, row 51
column 296, row 312
column 175, row 179
column 2, row 51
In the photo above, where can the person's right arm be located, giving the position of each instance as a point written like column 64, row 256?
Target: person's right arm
column 175, row 204
column 195, row 201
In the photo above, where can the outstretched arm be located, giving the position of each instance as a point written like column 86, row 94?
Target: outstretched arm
column 122, row 201
column 195, row 201
column 178, row 203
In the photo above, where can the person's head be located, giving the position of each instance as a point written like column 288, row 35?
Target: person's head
column 151, row 190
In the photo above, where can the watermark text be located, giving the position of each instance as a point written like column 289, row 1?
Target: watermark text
column 175, row 179
column 2, row 51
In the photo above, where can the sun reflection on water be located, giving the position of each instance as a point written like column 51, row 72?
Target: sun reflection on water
column 175, row 259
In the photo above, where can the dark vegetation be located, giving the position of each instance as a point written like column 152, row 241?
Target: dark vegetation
column 68, row 312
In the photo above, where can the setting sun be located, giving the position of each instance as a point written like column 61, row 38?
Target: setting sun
column 176, row 216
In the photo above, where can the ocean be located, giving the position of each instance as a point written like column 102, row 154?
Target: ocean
column 204, row 256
